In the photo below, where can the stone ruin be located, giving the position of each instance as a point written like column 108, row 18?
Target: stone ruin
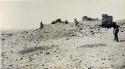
column 86, row 18
column 59, row 21
column 107, row 21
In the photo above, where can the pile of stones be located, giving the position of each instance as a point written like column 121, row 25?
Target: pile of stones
column 59, row 21
column 107, row 21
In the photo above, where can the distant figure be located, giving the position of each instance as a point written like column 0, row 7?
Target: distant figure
column 76, row 22
column 115, row 31
column 66, row 22
column 41, row 25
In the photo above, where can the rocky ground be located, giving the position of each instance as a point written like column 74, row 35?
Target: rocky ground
column 64, row 46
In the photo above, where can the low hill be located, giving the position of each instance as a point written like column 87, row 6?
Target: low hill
column 64, row 46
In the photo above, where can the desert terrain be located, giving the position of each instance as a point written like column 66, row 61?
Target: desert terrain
column 64, row 46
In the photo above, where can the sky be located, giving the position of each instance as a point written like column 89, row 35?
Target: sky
column 27, row 14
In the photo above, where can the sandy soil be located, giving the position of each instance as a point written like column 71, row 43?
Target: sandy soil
column 79, row 51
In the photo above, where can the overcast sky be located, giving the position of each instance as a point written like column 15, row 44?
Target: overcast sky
column 28, row 14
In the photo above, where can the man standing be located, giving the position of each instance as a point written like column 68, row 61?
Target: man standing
column 115, row 31
column 76, row 22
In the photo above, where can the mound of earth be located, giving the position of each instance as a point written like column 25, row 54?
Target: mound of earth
column 64, row 46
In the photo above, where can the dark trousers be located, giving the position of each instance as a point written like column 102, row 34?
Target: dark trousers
column 116, row 37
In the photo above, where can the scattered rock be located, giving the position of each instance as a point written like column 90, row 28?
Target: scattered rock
column 47, row 53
